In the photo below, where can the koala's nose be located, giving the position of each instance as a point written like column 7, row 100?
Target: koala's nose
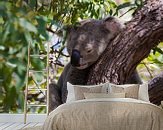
column 75, row 58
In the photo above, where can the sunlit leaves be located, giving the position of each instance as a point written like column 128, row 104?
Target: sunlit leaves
column 69, row 12
column 42, row 26
column 124, row 5
column 153, row 64
column 20, row 25
column 27, row 25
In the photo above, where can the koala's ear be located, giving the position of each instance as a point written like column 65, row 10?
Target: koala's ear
column 113, row 25
column 68, row 28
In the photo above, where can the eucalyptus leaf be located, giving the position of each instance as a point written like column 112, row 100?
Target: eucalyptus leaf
column 27, row 25
column 158, row 50
column 124, row 5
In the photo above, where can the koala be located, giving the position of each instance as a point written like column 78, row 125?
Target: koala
column 85, row 44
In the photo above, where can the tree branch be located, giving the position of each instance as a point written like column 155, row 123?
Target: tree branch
column 131, row 46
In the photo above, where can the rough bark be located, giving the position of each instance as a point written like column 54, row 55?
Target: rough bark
column 131, row 46
column 156, row 89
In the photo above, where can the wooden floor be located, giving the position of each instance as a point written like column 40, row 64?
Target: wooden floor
column 18, row 126
column 16, row 121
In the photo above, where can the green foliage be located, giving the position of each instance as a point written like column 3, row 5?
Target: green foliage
column 20, row 25
column 153, row 64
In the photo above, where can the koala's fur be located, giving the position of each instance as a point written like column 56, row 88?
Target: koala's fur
column 90, row 38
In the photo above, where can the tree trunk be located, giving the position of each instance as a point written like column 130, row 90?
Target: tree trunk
column 131, row 46
column 155, row 87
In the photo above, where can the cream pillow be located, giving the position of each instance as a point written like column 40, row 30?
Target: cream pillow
column 76, row 92
column 143, row 92
column 79, row 91
column 137, row 91
column 71, row 93
column 131, row 90
column 104, row 95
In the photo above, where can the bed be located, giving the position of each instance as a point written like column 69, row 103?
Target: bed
column 106, row 107
column 106, row 114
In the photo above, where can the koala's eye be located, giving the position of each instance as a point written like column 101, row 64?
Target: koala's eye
column 105, row 30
